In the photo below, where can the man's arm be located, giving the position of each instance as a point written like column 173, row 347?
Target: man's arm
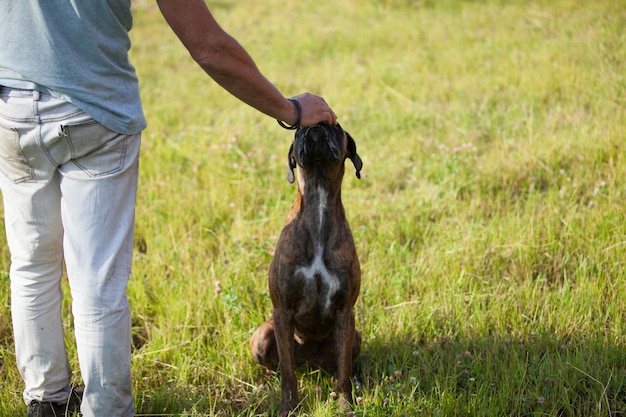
column 227, row 62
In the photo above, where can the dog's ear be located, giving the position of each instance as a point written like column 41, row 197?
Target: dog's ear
column 291, row 161
column 354, row 157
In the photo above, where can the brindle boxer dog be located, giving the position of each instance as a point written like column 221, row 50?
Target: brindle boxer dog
column 314, row 278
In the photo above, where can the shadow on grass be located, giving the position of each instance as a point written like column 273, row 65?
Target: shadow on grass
column 402, row 375
column 537, row 375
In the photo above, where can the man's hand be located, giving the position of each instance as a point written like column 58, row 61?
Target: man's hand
column 314, row 110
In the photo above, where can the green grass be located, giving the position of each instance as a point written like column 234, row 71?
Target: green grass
column 489, row 222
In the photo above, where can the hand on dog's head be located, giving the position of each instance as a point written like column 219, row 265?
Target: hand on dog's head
column 302, row 132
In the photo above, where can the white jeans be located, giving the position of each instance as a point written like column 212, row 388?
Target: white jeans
column 69, row 187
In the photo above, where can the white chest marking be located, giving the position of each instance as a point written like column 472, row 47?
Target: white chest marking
column 323, row 199
column 318, row 268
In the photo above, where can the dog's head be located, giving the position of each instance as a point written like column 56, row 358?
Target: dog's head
column 320, row 147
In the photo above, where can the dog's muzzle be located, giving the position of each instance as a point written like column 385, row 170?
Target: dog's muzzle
column 317, row 144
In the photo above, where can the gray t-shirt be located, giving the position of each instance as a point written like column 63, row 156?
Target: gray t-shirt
column 76, row 50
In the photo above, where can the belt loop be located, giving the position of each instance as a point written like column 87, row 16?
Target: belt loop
column 35, row 95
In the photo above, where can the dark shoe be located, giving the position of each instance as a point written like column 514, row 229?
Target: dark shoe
column 50, row 409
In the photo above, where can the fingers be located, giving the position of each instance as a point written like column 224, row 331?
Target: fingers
column 315, row 110
column 325, row 116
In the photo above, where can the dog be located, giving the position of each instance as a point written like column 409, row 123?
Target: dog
column 315, row 275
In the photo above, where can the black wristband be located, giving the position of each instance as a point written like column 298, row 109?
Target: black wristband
column 296, row 124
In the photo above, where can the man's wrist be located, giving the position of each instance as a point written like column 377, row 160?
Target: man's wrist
column 298, row 120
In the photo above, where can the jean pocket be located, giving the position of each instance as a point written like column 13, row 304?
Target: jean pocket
column 13, row 163
column 95, row 150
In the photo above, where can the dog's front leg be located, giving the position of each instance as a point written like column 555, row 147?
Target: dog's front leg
column 344, row 339
column 283, row 330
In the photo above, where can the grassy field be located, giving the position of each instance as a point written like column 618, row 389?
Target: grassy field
column 490, row 219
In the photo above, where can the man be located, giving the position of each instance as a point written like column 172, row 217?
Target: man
column 70, row 125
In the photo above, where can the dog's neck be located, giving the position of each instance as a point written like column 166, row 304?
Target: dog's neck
column 319, row 203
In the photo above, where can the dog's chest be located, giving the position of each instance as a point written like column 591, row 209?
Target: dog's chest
column 320, row 284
